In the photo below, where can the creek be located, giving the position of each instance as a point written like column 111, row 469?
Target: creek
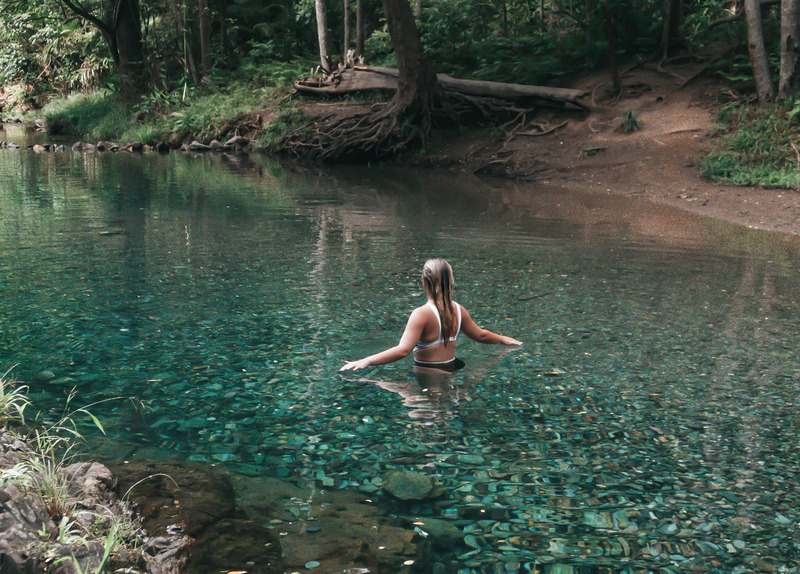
column 649, row 423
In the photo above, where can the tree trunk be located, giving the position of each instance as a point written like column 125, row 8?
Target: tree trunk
column 671, row 25
column 616, row 84
column 790, row 52
column 360, row 29
column 758, row 52
column 322, row 34
column 417, row 81
column 204, row 25
column 346, row 28
column 128, row 32
column 366, row 78
column 123, row 37
column 223, row 31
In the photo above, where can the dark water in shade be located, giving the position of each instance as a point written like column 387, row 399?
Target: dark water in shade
column 649, row 422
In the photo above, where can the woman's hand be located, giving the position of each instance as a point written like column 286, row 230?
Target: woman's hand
column 509, row 341
column 356, row 365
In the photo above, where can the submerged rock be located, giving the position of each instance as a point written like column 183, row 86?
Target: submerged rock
column 171, row 492
column 198, row 500
column 407, row 485
column 44, row 376
column 83, row 147
column 236, row 542
column 237, row 141
column 442, row 532
column 133, row 147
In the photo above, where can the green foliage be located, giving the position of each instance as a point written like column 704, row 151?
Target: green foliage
column 98, row 114
column 756, row 147
column 13, row 400
column 45, row 54
column 255, row 73
column 42, row 468
column 41, row 471
column 184, row 113
column 379, row 47
column 629, row 123
column 286, row 120
column 534, row 43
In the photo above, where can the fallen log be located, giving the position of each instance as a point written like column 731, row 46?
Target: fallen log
column 365, row 78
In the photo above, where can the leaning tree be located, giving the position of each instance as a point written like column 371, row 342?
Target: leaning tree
column 386, row 130
column 119, row 23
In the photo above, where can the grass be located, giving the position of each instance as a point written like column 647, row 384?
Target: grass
column 42, row 471
column 629, row 123
column 177, row 115
column 756, row 147
column 286, row 120
column 13, row 400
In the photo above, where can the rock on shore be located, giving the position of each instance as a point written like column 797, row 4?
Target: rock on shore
column 32, row 541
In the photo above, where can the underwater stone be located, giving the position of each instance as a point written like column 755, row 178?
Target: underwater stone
column 441, row 531
column 470, row 459
column 408, row 485
column 44, row 376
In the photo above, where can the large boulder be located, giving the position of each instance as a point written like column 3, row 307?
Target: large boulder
column 237, row 141
column 339, row 529
column 236, row 542
column 199, row 500
column 171, row 492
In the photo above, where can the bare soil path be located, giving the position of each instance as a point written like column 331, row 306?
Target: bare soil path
column 657, row 163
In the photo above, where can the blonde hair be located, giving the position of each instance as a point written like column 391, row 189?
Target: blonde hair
column 439, row 277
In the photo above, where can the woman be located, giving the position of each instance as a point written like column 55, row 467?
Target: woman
column 432, row 329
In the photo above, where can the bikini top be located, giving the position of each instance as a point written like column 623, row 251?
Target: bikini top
column 421, row 345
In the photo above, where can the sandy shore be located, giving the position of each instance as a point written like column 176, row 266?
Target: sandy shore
column 588, row 152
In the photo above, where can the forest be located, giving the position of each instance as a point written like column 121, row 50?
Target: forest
column 177, row 70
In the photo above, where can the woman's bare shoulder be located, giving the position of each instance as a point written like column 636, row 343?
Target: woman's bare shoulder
column 422, row 311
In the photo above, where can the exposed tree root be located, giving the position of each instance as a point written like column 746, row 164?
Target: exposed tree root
column 366, row 135
column 388, row 130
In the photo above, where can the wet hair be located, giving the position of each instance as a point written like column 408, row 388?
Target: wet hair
column 438, row 276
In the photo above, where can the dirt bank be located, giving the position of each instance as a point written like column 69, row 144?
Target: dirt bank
column 589, row 152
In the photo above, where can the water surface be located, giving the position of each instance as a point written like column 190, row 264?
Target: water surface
column 649, row 422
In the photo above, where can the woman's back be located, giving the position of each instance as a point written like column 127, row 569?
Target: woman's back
column 433, row 347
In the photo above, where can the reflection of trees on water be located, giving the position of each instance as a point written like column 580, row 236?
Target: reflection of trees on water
column 752, row 391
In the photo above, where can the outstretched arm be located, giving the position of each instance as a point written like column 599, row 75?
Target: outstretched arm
column 471, row 330
column 411, row 335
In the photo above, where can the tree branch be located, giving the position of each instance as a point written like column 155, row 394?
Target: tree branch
column 83, row 13
column 739, row 15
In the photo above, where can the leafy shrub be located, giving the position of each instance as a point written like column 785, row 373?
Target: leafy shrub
column 756, row 147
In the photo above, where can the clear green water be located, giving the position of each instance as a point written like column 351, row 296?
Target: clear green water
column 649, row 423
